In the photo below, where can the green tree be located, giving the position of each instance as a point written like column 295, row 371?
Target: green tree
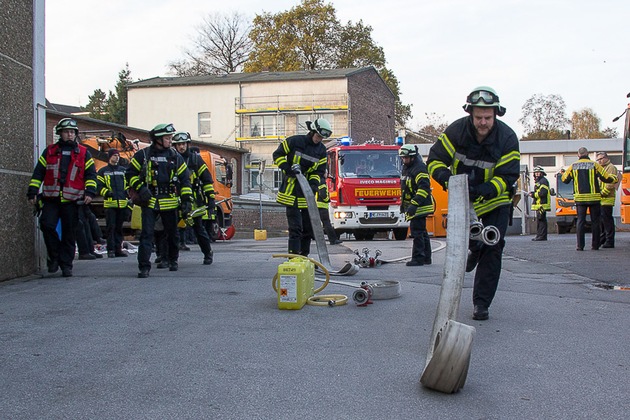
column 97, row 104
column 111, row 107
column 355, row 47
column 402, row 112
column 544, row 117
column 117, row 100
column 585, row 124
column 309, row 37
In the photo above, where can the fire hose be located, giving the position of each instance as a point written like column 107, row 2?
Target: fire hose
column 315, row 300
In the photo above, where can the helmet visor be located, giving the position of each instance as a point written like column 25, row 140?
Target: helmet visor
column 324, row 132
column 169, row 129
column 181, row 138
column 484, row 96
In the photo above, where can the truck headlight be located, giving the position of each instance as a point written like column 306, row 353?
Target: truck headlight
column 343, row 214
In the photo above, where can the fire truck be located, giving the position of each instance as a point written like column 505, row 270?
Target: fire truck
column 364, row 187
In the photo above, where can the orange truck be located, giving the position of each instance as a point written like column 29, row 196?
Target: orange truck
column 625, row 162
column 99, row 142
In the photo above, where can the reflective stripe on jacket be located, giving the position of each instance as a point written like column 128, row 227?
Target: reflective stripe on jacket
column 585, row 173
column 609, row 190
column 112, row 185
column 541, row 195
column 312, row 159
column 492, row 166
column 415, row 186
column 80, row 175
column 164, row 173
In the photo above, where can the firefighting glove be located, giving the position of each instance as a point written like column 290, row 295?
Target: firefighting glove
column 210, row 202
column 473, row 193
column 531, row 194
column 287, row 169
column 411, row 210
column 322, row 195
column 443, row 178
column 186, row 208
column 145, row 194
column 296, row 168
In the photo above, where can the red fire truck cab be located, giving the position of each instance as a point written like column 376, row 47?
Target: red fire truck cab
column 364, row 185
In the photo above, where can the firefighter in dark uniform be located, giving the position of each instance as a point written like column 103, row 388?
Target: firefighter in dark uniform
column 202, row 188
column 66, row 174
column 307, row 154
column 542, row 202
column 487, row 151
column 587, row 194
column 417, row 202
column 112, row 185
column 160, row 176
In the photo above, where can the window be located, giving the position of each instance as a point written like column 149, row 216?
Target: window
column 277, row 179
column 615, row 159
column 203, row 120
column 254, row 179
column 266, row 125
column 302, row 118
column 220, row 172
column 549, row 161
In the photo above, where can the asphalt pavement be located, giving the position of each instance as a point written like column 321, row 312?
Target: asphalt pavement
column 210, row 341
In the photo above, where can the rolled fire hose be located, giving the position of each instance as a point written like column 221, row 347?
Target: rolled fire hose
column 448, row 357
column 319, row 300
column 381, row 290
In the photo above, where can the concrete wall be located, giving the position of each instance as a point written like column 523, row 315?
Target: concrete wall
column 17, row 228
column 181, row 105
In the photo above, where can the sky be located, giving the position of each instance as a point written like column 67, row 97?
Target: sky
column 438, row 49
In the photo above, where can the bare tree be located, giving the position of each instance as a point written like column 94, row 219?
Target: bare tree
column 222, row 46
column 544, row 117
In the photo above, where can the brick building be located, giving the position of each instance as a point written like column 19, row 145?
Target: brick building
column 255, row 111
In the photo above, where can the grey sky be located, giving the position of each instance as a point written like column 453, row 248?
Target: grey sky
column 438, row 49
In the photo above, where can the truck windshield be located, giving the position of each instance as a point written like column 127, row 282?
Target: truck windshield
column 369, row 164
column 564, row 190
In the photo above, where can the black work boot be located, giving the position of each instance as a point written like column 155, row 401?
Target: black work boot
column 294, row 246
column 207, row 259
column 480, row 313
column 53, row 265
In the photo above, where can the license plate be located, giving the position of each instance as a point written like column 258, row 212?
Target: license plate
column 375, row 214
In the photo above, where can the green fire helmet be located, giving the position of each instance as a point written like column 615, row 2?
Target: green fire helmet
column 66, row 123
column 181, row 137
column 408, row 150
column 161, row 130
column 485, row 97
